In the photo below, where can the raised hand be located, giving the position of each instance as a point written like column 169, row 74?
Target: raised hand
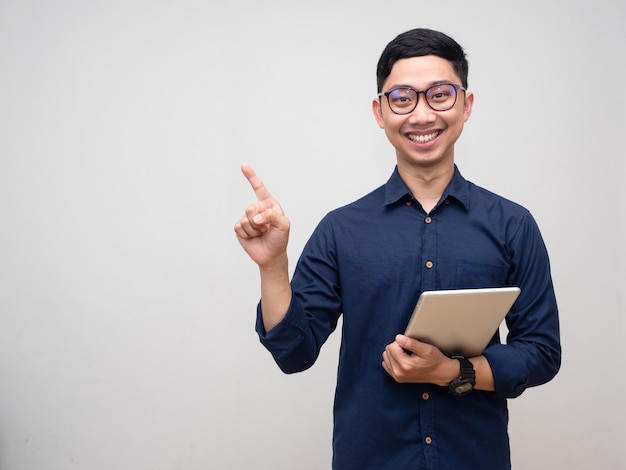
column 263, row 231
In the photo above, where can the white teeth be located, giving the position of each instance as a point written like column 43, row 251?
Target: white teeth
column 422, row 139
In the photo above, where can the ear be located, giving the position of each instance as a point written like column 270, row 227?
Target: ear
column 467, row 105
column 378, row 112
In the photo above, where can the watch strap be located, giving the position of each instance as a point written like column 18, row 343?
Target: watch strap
column 467, row 368
column 465, row 382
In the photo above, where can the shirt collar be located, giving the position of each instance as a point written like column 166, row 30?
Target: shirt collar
column 396, row 189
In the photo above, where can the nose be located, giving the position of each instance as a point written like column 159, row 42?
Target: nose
column 422, row 112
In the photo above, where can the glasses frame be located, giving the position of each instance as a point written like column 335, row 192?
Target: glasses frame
column 418, row 92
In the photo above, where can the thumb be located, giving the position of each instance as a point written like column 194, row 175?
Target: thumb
column 273, row 218
column 408, row 344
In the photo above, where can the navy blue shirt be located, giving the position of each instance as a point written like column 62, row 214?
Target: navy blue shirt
column 369, row 261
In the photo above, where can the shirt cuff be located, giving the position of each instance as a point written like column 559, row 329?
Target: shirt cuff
column 288, row 340
column 509, row 370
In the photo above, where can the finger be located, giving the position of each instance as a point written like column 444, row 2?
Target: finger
column 255, row 217
column 244, row 229
column 240, row 232
column 257, row 184
column 386, row 367
column 253, row 224
column 391, row 354
column 391, row 363
column 386, row 363
column 419, row 348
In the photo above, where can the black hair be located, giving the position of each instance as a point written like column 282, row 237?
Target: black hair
column 421, row 42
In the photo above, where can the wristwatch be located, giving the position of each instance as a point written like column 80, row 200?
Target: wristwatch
column 465, row 382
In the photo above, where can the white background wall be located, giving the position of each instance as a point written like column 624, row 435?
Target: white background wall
column 126, row 305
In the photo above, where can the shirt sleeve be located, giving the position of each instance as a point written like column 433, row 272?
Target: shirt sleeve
column 532, row 353
column 295, row 342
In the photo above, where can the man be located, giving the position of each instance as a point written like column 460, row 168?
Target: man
column 427, row 228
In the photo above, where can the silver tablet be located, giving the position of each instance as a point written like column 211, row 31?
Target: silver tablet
column 460, row 321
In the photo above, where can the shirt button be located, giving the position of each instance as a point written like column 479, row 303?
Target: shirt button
column 429, row 264
column 428, row 440
column 428, row 220
column 409, row 203
column 425, row 396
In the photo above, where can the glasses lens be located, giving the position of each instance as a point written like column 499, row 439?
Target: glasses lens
column 441, row 97
column 402, row 100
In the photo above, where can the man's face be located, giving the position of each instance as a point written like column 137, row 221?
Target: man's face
column 424, row 137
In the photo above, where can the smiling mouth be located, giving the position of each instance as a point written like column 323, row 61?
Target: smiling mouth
column 424, row 138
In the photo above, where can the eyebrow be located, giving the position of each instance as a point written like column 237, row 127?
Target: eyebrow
column 431, row 84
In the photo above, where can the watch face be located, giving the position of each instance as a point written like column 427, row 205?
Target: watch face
column 464, row 388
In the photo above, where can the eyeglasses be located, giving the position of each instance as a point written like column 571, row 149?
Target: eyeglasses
column 403, row 100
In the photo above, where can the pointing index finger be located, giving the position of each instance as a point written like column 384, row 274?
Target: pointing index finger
column 257, row 184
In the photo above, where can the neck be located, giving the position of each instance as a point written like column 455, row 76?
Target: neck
column 427, row 184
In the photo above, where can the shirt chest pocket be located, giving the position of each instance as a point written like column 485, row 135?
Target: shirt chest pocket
column 472, row 274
